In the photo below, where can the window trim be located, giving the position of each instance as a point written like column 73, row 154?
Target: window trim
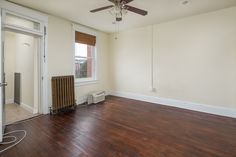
column 91, row 80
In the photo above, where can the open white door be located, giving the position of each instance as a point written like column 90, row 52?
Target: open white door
column 2, row 83
column 1, row 78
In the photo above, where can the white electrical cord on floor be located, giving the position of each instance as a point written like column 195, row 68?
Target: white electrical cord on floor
column 10, row 142
column 13, row 141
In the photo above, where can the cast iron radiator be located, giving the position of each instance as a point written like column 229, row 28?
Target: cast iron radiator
column 17, row 88
column 63, row 94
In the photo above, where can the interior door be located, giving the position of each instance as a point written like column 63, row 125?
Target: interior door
column 2, row 82
column 1, row 79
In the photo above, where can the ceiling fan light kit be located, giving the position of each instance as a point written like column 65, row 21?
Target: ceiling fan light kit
column 120, row 8
column 117, row 13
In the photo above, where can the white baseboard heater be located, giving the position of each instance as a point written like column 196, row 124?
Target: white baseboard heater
column 96, row 97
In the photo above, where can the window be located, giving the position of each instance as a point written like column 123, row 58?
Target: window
column 85, row 59
column 21, row 22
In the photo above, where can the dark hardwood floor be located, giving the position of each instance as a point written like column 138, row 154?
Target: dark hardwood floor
column 127, row 128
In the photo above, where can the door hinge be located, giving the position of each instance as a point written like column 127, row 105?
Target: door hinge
column 3, row 84
column 45, row 30
column 3, row 53
column 45, row 33
column 44, row 58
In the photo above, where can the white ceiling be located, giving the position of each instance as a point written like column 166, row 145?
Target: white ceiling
column 158, row 11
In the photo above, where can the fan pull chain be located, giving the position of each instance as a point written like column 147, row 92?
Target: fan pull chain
column 117, row 29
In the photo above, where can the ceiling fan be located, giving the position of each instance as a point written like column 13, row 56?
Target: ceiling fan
column 119, row 8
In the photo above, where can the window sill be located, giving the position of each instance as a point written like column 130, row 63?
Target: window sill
column 85, row 83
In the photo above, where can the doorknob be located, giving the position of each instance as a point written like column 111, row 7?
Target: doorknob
column 3, row 84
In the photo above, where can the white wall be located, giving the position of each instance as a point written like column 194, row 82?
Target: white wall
column 25, row 49
column 194, row 59
column 61, row 57
column 10, row 64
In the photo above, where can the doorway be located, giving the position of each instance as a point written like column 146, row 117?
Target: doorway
column 21, row 73
column 23, row 23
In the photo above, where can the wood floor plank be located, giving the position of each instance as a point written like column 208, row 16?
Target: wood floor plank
column 127, row 128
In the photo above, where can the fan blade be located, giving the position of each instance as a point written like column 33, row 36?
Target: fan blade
column 100, row 9
column 118, row 19
column 126, row 1
column 136, row 10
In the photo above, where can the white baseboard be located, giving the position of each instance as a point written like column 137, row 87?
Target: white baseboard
column 9, row 101
column 27, row 107
column 35, row 110
column 222, row 111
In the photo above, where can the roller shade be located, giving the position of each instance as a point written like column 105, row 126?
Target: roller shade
column 85, row 38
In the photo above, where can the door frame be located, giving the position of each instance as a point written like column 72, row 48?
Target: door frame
column 8, row 7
